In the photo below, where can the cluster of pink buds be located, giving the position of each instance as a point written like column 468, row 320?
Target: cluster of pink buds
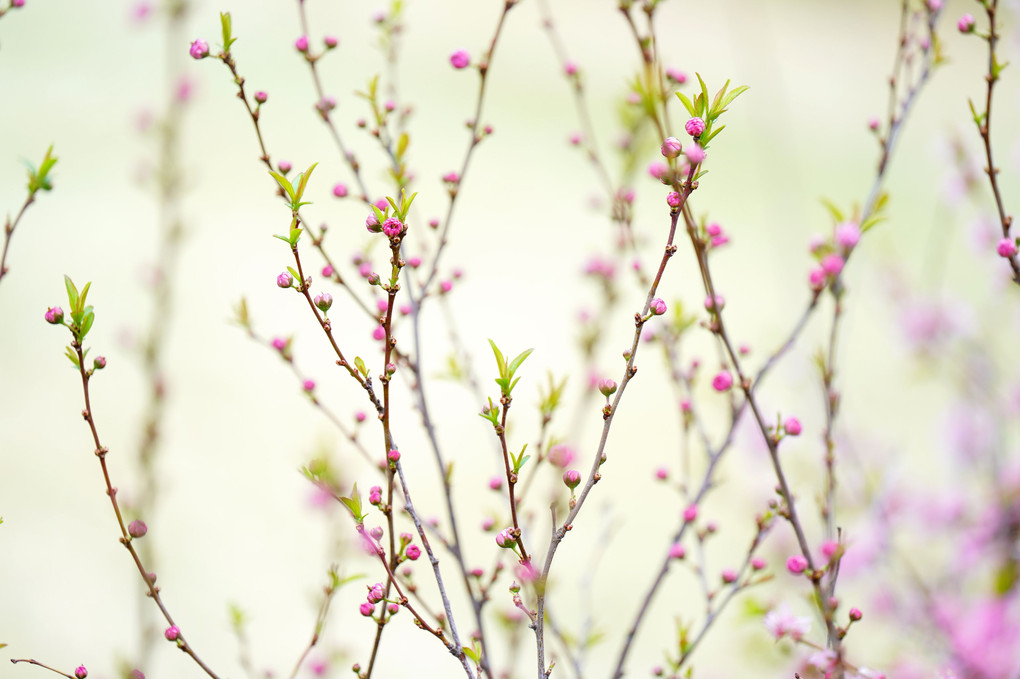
column 717, row 237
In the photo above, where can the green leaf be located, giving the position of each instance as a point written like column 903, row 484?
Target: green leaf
column 72, row 356
column 237, row 617
column 469, row 652
column 703, row 97
column 226, row 29
column 284, row 184
column 500, row 361
column 303, row 181
column 728, row 99
column 285, row 239
column 86, row 324
column 836, row 213
column 402, row 143
column 516, row 363
column 360, row 364
column 84, row 293
column 685, row 100
column 353, row 504
column 72, row 293
column 718, row 97
column 871, row 221
column 711, row 135
column 405, row 203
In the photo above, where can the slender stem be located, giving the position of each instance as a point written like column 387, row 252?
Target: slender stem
column 320, row 623
column 9, row 227
column 30, row 661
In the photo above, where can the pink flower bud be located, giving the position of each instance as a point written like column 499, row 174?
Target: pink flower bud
column 261, row 97
column 758, row 563
column 695, row 154
column 505, row 540
column 817, row 278
column 607, row 387
column 691, row 513
column 340, row 190
column 571, row 478
column 375, row 593
column 199, row 49
column 323, row 301
column 729, row 576
column 80, row 672
column 284, row 280
column 855, row 614
column 873, row 124
column 661, row 473
column 301, row 44
column 848, row 234
column 393, row 456
column 330, row 41
column 832, row 264
column 658, row 307
column 673, row 199
column 451, row 177
column 722, row 381
column 796, row 564
column 284, row 166
column 670, row 147
column 575, row 139
column 308, row 385
column 54, row 315
column 412, row 552
column 137, row 529
column 792, row 426
column 570, row 68
column 446, row 286
column 172, row 633
column 392, row 227
column 366, row 609
column 379, row 333
column 676, row 75
column 1006, row 248
column 460, row 59
column 715, row 305
column 965, row 24
column 677, row 551
column 829, row 548
column 376, row 532
column 695, row 127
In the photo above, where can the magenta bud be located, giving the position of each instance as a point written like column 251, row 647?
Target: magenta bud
column 673, row 199
column 695, row 154
column 670, row 147
column 965, row 24
column 172, row 633
column 460, row 59
column 393, row 455
column 261, row 97
column 505, row 540
column 691, row 513
column 729, row 576
column 757, row 563
column 199, row 49
column 279, row 343
column 137, row 529
column 412, row 552
column 331, row 41
column 792, row 426
column 301, row 44
column 1006, row 248
column 855, row 614
column 366, row 609
column 392, row 227
column 372, row 224
column 722, row 381
column 285, row 280
column 283, row 166
column 340, row 190
column 676, row 75
column 796, row 564
column 848, row 234
column 571, row 478
column 80, row 672
column 377, row 533
column 658, row 307
column 323, row 301
column 677, row 551
column 308, row 385
column 54, row 315
column 695, row 127
column 392, row 608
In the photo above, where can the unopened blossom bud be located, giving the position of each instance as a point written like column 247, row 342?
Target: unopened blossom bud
column 658, row 170
column 284, row 166
column 796, row 564
column 817, row 278
column 375, row 593
column 301, row 44
column 695, row 127
column 451, row 177
column 505, row 540
column 848, row 234
column 792, row 426
column 671, row 147
column 694, row 153
column 729, row 576
column 392, row 227
column 376, row 532
column 965, row 24
column 460, row 59
column 855, row 614
column 571, row 478
column 372, row 224
column 393, row 455
column 340, row 190
column 690, row 513
column 676, row 75
column 758, row 563
column 715, row 304
column 607, row 387
column 308, row 385
column 661, row 473
column 1006, row 248
column 446, row 286
column 722, row 381
column 137, row 529
column 873, row 124
column 570, row 68
column 412, row 552
column 261, row 97
column 54, row 315
column 677, row 551
column 172, row 633
column 199, row 49
column 80, row 672
column 379, row 333
column 285, row 280
column 323, row 301
column 829, row 548
column 673, row 199
column 17, row 3
column 366, row 609
column 658, row 307
column 279, row 343
column 331, row 41
column 375, row 496
column 832, row 264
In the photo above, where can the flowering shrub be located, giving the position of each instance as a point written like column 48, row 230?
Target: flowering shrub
column 769, row 449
